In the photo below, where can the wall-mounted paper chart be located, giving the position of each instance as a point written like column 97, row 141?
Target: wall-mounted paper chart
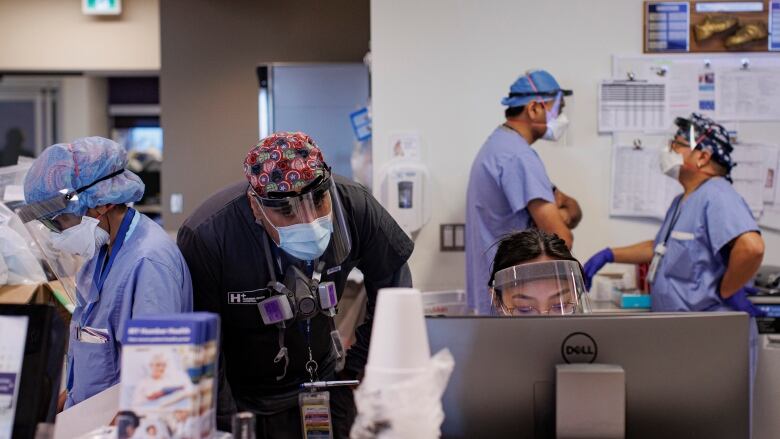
column 632, row 106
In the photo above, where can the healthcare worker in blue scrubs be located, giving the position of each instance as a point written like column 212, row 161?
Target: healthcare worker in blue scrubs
column 80, row 191
column 709, row 246
column 508, row 189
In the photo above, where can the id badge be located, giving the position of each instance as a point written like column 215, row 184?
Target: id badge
column 315, row 415
column 658, row 254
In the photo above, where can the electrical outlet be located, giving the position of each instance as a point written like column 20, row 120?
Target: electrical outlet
column 452, row 237
column 177, row 203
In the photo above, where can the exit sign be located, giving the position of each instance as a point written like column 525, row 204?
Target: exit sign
column 101, row 7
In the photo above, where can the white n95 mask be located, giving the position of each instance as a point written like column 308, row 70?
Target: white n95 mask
column 556, row 127
column 670, row 162
column 82, row 239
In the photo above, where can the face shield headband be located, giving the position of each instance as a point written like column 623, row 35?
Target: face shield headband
column 549, row 287
column 314, row 191
column 45, row 210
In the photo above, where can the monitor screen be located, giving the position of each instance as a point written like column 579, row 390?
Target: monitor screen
column 14, row 333
column 140, row 139
column 31, row 362
column 686, row 373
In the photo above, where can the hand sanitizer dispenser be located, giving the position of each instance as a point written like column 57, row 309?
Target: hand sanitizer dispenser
column 405, row 193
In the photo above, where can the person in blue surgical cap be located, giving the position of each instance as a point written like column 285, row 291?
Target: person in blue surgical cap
column 709, row 246
column 508, row 188
column 81, row 191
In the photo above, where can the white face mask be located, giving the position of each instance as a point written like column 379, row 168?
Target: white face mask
column 556, row 127
column 83, row 239
column 670, row 162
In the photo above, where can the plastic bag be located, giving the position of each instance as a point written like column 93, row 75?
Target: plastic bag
column 410, row 409
column 21, row 264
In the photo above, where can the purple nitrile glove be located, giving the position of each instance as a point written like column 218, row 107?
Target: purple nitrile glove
column 739, row 302
column 595, row 263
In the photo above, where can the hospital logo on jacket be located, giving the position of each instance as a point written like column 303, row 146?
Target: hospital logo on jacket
column 250, row 297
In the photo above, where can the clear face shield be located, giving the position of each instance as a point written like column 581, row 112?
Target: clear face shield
column 309, row 222
column 46, row 211
column 59, row 264
column 559, row 117
column 541, row 288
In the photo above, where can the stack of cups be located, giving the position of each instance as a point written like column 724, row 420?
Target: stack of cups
column 401, row 393
column 399, row 341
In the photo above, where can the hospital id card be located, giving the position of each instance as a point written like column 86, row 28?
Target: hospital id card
column 315, row 415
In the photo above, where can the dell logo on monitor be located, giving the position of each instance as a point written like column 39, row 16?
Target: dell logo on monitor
column 579, row 347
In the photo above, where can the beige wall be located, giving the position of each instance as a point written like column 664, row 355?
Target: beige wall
column 54, row 35
column 208, row 84
column 83, row 110
column 440, row 67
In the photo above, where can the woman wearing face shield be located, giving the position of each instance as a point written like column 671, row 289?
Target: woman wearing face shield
column 534, row 273
column 709, row 246
column 80, row 191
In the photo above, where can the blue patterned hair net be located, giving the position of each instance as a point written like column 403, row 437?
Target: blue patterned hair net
column 71, row 166
column 710, row 135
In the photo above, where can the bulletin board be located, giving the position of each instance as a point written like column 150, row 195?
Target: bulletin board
column 740, row 91
column 725, row 87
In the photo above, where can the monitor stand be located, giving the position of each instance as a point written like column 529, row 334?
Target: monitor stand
column 590, row 401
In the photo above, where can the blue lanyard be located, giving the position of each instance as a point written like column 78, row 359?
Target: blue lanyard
column 100, row 275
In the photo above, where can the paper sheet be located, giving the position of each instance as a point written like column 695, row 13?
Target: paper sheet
column 770, row 218
column 770, row 161
column 632, row 106
column 682, row 87
column 751, row 94
column 750, row 175
column 639, row 189
column 90, row 414
column 13, row 192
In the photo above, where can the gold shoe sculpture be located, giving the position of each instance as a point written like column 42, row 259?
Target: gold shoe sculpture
column 714, row 24
column 747, row 34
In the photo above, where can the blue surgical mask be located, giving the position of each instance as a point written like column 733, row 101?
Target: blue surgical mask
column 306, row 241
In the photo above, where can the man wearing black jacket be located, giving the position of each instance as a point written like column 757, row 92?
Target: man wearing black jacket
column 293, row 213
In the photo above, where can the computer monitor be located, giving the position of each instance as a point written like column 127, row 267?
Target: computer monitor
column 686, row 373
column 32, row 348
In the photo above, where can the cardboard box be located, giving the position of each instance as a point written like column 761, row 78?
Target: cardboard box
column 39, row 293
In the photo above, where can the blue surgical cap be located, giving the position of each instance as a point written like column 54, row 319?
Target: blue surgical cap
column 71, row 166
column 534, row 85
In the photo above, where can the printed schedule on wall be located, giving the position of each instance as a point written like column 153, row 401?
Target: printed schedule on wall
column 632, row 106
column 14, row 335
column 774, row 25
column 666, row 27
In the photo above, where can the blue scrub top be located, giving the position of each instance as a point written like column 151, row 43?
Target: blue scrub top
column 148, row 276
column 689, row 275
column 506, row 175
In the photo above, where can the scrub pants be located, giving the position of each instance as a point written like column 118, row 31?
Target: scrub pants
column 286, row 424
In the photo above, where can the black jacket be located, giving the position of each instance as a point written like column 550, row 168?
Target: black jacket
column 224, row 250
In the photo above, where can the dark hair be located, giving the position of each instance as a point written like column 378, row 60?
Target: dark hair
column 513, row 111
column 519, row 247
